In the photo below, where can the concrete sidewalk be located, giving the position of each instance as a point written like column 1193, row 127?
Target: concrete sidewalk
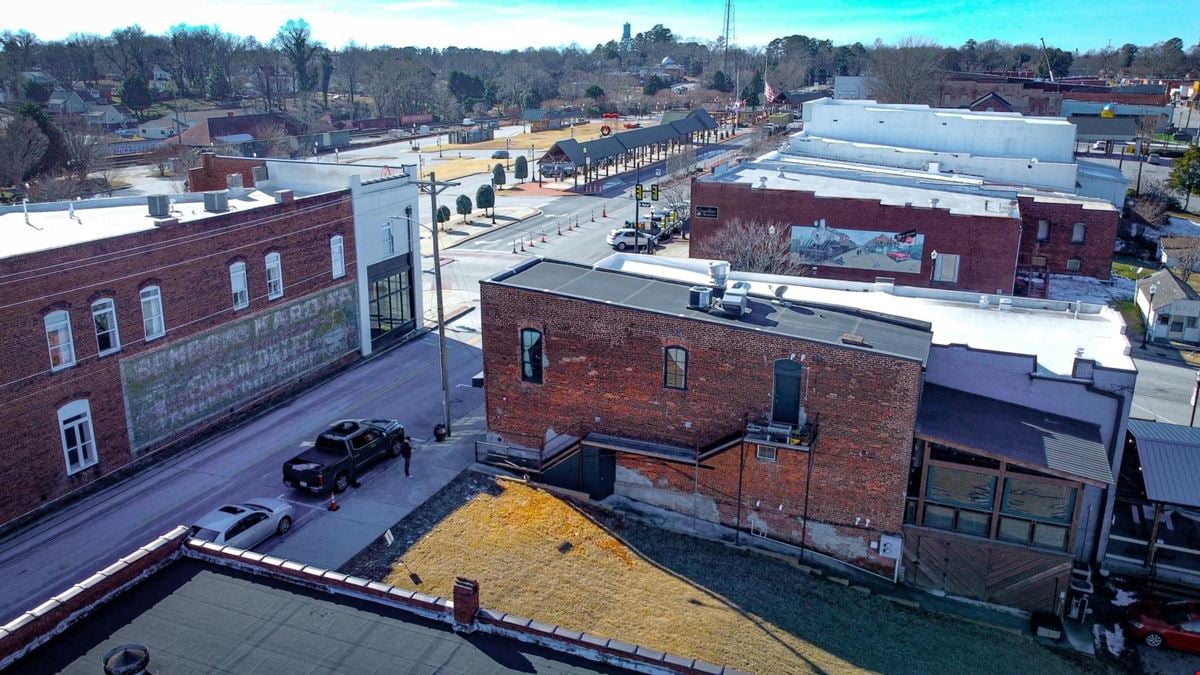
column 457, row 232
column 330, row 538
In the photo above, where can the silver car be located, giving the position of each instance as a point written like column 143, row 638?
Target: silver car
column 244, row 525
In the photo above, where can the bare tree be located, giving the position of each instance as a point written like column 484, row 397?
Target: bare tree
column 1186, row 253
column 22, row 146
column 910, row 72
column 1152, row 204
column 85, row 146
column 46, row 188
column 752, row 246
column 271, row 140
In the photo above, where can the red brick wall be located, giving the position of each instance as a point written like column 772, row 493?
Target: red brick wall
column 987, row 245
column 190, row 264
column 606, row 362
column 213, row 174
column 1096, row 251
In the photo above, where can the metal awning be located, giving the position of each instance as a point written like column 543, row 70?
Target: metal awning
column 1024, row 436
column 635, row 446
column 1170, row 458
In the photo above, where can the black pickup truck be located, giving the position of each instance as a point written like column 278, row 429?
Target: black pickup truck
column 341, row 452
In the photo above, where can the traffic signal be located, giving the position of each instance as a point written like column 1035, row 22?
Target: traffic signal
column 637, row 191
column 654, row 192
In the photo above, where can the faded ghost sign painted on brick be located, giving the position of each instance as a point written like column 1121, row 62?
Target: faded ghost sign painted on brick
column 186, row 382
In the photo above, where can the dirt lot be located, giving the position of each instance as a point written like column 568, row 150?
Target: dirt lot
column 536, row 555
column 542, row 140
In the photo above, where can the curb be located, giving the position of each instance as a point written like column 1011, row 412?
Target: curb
column 471, row 237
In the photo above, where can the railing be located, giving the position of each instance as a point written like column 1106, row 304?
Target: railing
column 799, row 437
column 509, row 456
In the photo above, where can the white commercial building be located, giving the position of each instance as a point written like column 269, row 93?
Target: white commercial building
column 1002, row 148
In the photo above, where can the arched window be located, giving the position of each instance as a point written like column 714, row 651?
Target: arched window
column 337, row 255
column 274, row 276
column 104, row 318
column 58, row 337
column 1078, row 232
column 675, row 363
column 153, row 324
column 785, row 401
column 75, row 429
column 531, row 355
column 237, row 283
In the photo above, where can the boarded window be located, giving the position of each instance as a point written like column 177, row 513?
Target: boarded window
column 960, row 488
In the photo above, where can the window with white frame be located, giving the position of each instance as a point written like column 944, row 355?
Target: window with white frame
column 75, row 430
column 389, row 244
column 152, row 313
column 237, row 283
column 945, row 268
column 1074, row 264
column 274, row 276
column 58, row 337
column 1078, row 232
column 1043, row 232
column 104, row 318
column 766, row 453
column 338, row 255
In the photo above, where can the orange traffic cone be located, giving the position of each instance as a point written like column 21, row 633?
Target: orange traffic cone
column 593, row 215
column 604, row 213
column 531, row 244
column 543, row 236
column 560, row 229
column 522, row 246
column 333, row 505
column 514, row 245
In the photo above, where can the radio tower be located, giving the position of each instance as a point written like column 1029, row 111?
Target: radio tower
column 727, row 34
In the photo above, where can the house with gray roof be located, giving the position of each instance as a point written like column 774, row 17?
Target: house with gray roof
column 1169, row 306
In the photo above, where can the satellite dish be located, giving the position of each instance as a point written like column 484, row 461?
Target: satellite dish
column 779, row 291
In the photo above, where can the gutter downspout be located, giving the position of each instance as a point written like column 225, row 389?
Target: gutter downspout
column 737, row 523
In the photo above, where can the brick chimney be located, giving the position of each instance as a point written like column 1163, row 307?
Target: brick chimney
column 466, row 604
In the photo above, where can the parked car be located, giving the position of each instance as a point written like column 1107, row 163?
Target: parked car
column 341, row 453
column 244, row 525
column 1155, row 158
column 628, row 237
column 1172, row 624
column 1099, row 146
column 500, row 154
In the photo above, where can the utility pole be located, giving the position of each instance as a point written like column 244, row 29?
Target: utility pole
column 433, row 188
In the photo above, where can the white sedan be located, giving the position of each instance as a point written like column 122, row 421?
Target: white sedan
column 244, row 525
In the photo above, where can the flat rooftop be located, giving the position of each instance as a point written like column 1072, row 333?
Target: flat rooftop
column 826, row 179
column 881, row 333
column 200, row 618
column 54, row 225
column 1052, row 331
column 959, row 193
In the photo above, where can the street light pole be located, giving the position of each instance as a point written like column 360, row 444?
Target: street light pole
column 432, row 188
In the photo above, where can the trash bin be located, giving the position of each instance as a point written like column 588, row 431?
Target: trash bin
column 439, row 432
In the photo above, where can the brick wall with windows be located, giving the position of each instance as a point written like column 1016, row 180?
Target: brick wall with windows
column 604, row 372
column 1050, row 230
column 986, row 246
column 93, row 282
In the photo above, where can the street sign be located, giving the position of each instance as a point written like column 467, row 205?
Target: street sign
column 388, row 537
column 657, row 173
column 644, row 204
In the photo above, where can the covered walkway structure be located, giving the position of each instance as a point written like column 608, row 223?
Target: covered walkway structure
column 627, row 149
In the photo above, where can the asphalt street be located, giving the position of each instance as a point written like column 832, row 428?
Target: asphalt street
column 245, row 462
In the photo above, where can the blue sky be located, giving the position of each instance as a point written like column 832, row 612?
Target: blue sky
column 497, row 24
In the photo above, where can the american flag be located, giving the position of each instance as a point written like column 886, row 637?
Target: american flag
column 769, row 93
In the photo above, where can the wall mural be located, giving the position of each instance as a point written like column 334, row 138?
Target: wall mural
column 891, row 252
column 187, row 381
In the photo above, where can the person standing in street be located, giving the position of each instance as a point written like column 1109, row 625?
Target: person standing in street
column 406, row 453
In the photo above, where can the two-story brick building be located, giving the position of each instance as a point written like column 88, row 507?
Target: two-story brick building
column 910, row 432
column 134, row 324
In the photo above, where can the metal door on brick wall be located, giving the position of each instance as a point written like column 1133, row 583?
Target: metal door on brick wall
column 588, row 469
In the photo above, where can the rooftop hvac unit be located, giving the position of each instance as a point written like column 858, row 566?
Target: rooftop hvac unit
column 216, row 201
column 160, row 205
column 718, row 273
column 700, row 297
column 735, row 301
